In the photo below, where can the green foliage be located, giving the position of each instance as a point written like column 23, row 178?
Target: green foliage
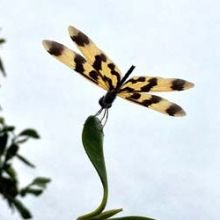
column 92, row 138
column 25, row 213
column 36, row 187
column 107, row 214
column 2, row 41
column 29, row 133
column 24, row 160
column 9, row 184
column 133, row 218
column 2, row 69
column 9, row 150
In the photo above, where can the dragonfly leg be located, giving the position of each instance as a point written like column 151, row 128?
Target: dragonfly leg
column 99, row 112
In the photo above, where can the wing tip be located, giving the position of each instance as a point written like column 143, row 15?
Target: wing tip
column 72, row 30
column 180, row 114
column 175, row 110
column 189, row 85
column 46, row 44
column 53, row 47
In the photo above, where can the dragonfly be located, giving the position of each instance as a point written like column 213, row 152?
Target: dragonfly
column 99, row 69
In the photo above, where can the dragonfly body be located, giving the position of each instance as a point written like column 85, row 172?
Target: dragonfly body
column 106, row 101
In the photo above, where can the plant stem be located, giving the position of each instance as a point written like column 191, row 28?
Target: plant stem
column 100, row 208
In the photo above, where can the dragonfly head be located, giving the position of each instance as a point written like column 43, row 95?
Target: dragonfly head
column 107, row 100
column 103, row 103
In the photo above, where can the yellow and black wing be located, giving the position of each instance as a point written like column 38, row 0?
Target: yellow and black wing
column 154, row 84
column 97, row 58
column 74, row 61
column 134, row 90
column 154, row 102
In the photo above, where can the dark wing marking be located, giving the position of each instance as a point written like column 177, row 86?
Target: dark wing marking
column 96, row 57
column 154, row 102
column 155, row 84
column 74, row 61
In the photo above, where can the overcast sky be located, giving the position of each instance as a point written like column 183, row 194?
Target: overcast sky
column 158, row 166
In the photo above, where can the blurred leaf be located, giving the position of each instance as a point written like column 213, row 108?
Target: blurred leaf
column 10, row 204
column 11, row 152
column 2, row 41
column 3, row 143
column 2, row 68
column 21, row 141
column 24, row 160
column 25, row 213
column 8, row 128
column 40, row 181
column 32, row 191
column 30, row 133
column 133, row 218
column 2, row 121
column 8, row 187
column 106, row 214
column 11, row 172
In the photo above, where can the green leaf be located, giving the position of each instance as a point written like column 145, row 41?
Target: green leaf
column 133, row 218
column 24, row 160
column 11, row 152
column 30, row 133
column 8, row 128
column 3, row 143
column 10, row 204
column 2, row 41
column 25, row 213
column 41, row 181
column 2, row 121
column 32, row 191
column 8, row 187
column 2, row 68
column 11, row 172
column 92, row 138
column 21, row 141
column 106, row 214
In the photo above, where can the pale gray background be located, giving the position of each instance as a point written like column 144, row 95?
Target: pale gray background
column 158, row 166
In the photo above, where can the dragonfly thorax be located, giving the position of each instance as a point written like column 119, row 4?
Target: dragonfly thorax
column 107, row 100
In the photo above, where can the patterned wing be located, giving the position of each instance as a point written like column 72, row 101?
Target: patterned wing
column 100, row 62
column 154, row 84
column 74, row 61
column 154, row 102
